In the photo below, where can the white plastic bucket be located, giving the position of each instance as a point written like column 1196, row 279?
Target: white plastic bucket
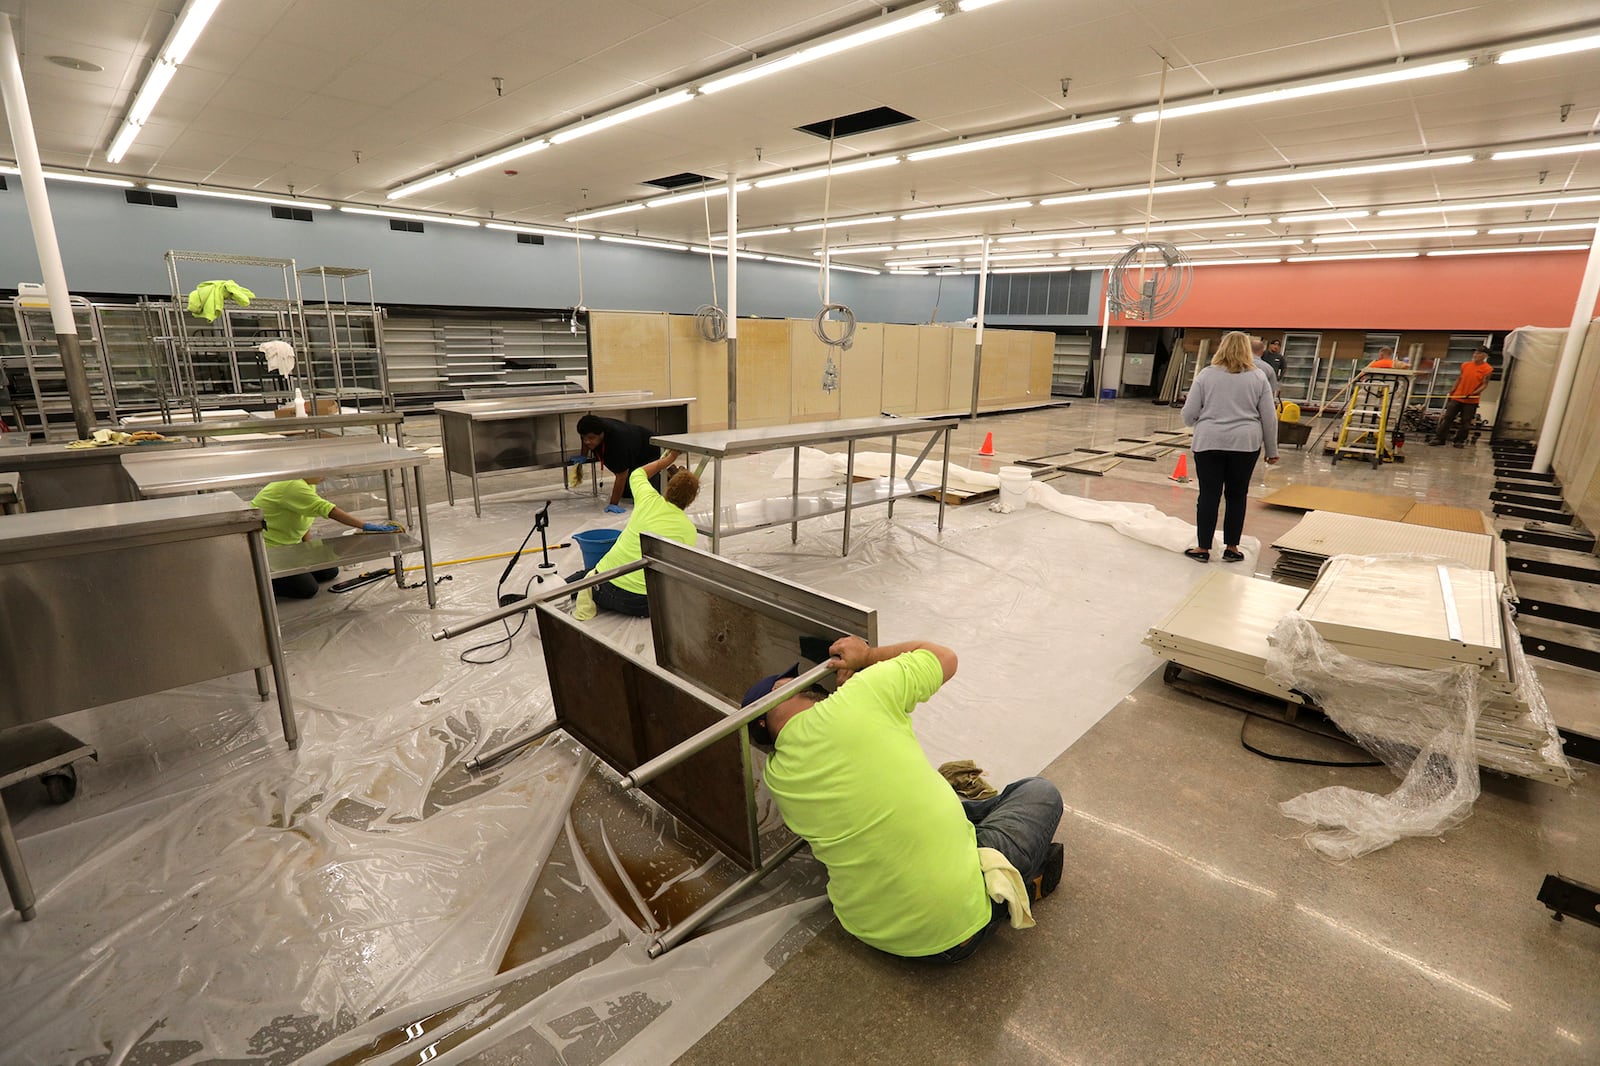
column 1014, row 482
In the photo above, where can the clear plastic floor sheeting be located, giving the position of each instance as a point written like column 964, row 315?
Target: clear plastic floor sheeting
column 210, row 895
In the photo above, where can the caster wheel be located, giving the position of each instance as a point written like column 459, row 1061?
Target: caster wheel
column 60, row 785
column 1170, row 673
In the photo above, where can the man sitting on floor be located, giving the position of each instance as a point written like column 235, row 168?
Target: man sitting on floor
column 655, row 512
column 913, row 869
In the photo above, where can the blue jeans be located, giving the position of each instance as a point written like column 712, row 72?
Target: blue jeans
column 1020, row 824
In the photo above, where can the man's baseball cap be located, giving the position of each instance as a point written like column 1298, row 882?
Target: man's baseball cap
column 767, row 684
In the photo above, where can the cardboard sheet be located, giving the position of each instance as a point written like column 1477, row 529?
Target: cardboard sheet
column 1342, row 501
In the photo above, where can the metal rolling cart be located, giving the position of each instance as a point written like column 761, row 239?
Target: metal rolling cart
column 108, row 603
column 673, row 726
column 538, row 432
column 345, row 337
column 725, row 521
column 1371, row 427
column 44, row 407
column 216, row 469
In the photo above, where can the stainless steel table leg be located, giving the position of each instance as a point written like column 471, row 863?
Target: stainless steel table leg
column 16, row 875
column 261, row 682
column 269, row 623
column 894, row 455
column 477, row 501
column 405, row 494
column 716, row 507
column 944, row 478
column 849, row 490
column 427, row 545
column 397, row 560
column 794, row 500
column 686, row 926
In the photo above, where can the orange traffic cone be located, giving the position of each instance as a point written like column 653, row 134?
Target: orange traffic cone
column 988, row 445
column 1181, row 471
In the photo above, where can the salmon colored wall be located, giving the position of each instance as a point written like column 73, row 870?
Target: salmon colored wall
column 1460, row 294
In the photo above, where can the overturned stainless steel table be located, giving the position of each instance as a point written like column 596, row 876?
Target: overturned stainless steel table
column 715, row 446
column 106, row 603
column 214, row 469
column 535, row 433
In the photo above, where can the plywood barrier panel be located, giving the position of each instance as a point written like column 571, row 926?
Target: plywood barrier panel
column 899, row 369
column 698, row 368
column 995, row 372
column 629, row 351
column 1577, row 451
column 963, row 343
column 627, row 713
column 764, row 375
column 861, row 374
column 1041, row 366
column 808, row 357
column 933, row 369
column 1019, row 366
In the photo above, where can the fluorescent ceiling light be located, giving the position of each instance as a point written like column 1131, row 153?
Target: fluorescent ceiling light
column 1559, row 149
column 790, row 261
column 1542, row 51
column 1350, row 172
column 282, row 201
column 155, row 83
column 1546, row 228
column 516, row 151
column 979, row 144
column 1282, row 242
column 540, row 230
column 882, row 28
column 1072, row 236
column 958, row 242
column 644, row 243
column 408, row 216
column 841, row 223
column 1076, row 253
column 975, row 5
column 1515, row 248
column 1010, row 257
column 604, row 211
column 769, row 232
column 700, row 249
column 660, row 102
column 694, row 195
column 1488, row 205
column 1296, row 92
column 1227, row 223
column 1230, row 262
column 853, row 269
column 864, row 249
column 970, row 209
column 1121, row 194
column 1398, row 235
column 950, row 273
column 909, row 273
column 426, row 183
column 1324, row 216
column 187, row 32
column 1036, row 269
column 123, row 142
column 822, row 172
column 82, row 179
column 1342, row 258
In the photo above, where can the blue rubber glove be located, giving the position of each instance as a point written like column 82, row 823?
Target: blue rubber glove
column 613, row 508
column 577, row 460
column 379, row 527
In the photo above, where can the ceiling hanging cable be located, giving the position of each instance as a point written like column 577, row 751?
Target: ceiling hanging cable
column 710, row 319
column 847, row 318
column 1155, row 290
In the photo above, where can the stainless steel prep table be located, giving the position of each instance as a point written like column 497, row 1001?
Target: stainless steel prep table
column 107, row 603
column 533, row 433
column 715, row 446
column 53, row 476
column 213, row 469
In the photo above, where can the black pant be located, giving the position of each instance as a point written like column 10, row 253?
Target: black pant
column 1223, row 476
column 302, row 586
column 608, row 597
column 1454, row 411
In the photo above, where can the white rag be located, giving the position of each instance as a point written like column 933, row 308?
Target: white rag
column 1005, row 885
column 280, row 356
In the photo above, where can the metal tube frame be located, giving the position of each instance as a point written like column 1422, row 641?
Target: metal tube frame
column 269, row 623
column 527, row 602
column 686, row 928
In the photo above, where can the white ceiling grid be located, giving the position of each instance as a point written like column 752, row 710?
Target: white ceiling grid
column 286, row 93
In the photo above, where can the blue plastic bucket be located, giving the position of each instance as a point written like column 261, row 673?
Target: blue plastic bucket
column 594, row 543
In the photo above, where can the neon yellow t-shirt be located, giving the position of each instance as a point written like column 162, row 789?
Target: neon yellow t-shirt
column 651, row 514
column 289, row 508
column 850, row 777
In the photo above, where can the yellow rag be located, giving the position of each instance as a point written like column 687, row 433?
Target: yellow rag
column 207, row 298
column 1005, row 885
column 585, row 609
column 968, row 781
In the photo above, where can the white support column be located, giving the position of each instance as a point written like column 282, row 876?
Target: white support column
column 1567, row 368
column 733, row 301
column 977, row 350
column 20, row 118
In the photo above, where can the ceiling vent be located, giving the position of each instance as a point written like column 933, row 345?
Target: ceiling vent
column 877, row 118
column 679, row 181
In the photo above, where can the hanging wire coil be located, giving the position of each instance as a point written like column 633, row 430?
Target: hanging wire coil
column 712, row 322
column 846, row 321
column 1149, row 281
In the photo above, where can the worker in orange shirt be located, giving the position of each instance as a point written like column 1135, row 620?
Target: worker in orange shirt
column 1462, row 405
column 1387, row 361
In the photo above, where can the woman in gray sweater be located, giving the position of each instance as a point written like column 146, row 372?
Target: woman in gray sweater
column 1230, row 408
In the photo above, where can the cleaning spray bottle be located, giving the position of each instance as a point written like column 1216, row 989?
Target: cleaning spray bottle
column 299, row 404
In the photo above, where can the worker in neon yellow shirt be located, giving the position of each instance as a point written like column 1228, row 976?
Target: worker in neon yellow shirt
column 290, row 508
column 913, row 869
column 660, row 513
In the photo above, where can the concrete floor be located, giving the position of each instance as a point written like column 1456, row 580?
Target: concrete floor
column 1192, row 924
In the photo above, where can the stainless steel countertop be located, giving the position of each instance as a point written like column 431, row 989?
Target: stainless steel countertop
column 724, row 442
column 276, row 425
column 205, row 469
column 118, row 522
column 55, row 453
column 572, row 403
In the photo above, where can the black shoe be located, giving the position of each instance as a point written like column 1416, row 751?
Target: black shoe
column 1046, row 882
